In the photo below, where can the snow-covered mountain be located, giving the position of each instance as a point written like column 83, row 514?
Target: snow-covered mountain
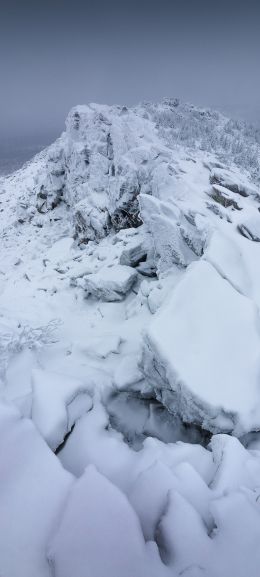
column 130, row 347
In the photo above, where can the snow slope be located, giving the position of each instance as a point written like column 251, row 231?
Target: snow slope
column 129, row 348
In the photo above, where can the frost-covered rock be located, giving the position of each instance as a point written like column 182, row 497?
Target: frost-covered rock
column 110, row 283
column 91, row 223
column 133, row 255
column 232, row 182
column 51, row 189
column 98, row 170
column 178, row 238
column 222, row 196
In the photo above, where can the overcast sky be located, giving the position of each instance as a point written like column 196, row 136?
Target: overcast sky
column 58, row 53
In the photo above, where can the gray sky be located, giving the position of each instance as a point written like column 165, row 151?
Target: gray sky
column 58, row 53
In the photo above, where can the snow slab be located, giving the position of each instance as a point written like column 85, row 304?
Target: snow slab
column 202, row 353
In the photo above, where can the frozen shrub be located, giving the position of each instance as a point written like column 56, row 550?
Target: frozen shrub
column 26, row 337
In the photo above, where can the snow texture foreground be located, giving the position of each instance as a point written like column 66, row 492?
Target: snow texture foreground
column 130, row 348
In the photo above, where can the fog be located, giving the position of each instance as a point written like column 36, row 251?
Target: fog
column 57, row 54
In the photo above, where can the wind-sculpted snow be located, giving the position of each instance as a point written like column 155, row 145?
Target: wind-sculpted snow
column 129, row 348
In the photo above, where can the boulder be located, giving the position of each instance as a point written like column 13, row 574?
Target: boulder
column 110, row 283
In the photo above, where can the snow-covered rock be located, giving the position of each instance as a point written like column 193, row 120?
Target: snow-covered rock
column 110, row 283
column 232, row 182
column 133, row 255
column 250, row 227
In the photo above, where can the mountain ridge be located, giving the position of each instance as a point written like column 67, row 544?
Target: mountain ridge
column 130, row 348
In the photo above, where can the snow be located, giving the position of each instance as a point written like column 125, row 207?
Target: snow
column 129, row 333
column 33, row 490
column 58, row 402
column 183, row 549
column 102, row 346
column 127, row 372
